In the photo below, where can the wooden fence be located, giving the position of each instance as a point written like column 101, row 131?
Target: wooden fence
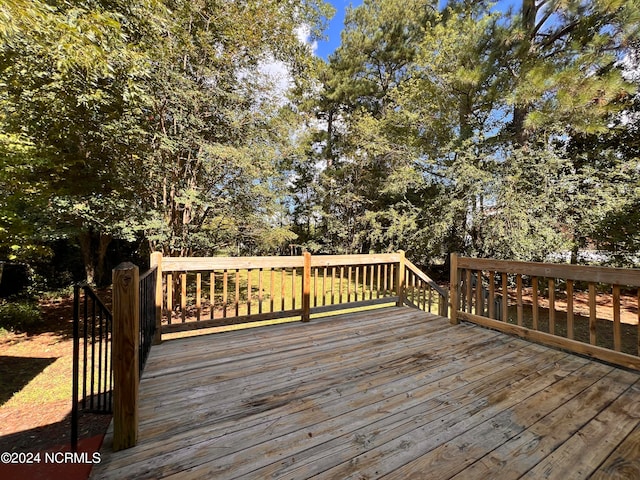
column 203, row 292
column 577, row 308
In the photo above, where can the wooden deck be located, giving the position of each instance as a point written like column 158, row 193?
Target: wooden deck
column 394, row 393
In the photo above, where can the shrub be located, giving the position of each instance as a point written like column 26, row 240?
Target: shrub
column 19, row 315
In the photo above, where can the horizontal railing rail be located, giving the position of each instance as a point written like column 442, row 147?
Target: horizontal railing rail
column 577, row 308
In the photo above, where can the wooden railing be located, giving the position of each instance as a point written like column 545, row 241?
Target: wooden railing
column 577, row 308
column 207, row 292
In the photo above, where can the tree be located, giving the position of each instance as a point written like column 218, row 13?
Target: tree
column 70, row 87
column 379, row 43
column 562, row 57
column 151, row 119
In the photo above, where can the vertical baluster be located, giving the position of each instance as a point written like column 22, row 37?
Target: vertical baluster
column 99, row 358
column 212, row 294
column 492, row 295
column 249, row 293
column 324, row 287
column 592, row 313
column 479, row 296
column 260, row 297
column 271, row 289
column 237, row 298
column 570, row 309
column 385, row 280
column 169, row 298
column 355, row 290
column 519, row 298
column 225, row 293
column 183, row 297
column 333, row 278
column 617, row 332
column 198, row 295
column 468, row 294
column 378, row 281
column 282, row 289
column 371, row 275
column 315, row 287
column 552, row 306
column 534, row 296
column 85, row 346
column 505, row 299
column 293, row 288
column 93, row 351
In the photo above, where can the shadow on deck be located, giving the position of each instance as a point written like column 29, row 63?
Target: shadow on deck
column 394, row 393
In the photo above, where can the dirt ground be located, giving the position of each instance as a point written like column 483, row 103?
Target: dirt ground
column 35, row 386
column 604, row 305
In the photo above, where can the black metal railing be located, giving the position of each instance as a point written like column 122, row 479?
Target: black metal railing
column 94, row 358
column 147, row 292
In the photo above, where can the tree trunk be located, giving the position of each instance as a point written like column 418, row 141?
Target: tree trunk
column 84, row 239
column 94, row 252
column 101, row 276
column 526, row 49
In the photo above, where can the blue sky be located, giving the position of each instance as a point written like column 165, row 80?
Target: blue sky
column 325, row 48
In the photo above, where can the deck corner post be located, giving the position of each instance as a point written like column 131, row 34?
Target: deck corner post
column 400, row 278
column 453, row 289
column 306, row 288
column 126, row 334
column 156, row 261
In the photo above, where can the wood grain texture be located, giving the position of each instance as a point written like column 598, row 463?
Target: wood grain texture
column 126, row 337
column 613, row 276
column 390, row 393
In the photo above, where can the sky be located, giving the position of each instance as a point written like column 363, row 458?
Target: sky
column 325, row 48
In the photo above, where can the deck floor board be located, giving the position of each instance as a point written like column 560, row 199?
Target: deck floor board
column 392, row 393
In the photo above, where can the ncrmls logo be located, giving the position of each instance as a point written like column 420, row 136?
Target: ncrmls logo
column 72, row 457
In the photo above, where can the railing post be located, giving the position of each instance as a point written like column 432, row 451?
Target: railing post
column 306, row 288
column 453, row 289
column 156, row 261
column 126, row 335
column 400, row 276
column 443, row 306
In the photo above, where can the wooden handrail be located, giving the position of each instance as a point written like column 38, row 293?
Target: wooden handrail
column 585, row 273
column 186, row 264
column 467, row 306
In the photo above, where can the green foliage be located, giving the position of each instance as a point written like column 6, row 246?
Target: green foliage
column 147, row 120
column 463, row 129
column 19, row 315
